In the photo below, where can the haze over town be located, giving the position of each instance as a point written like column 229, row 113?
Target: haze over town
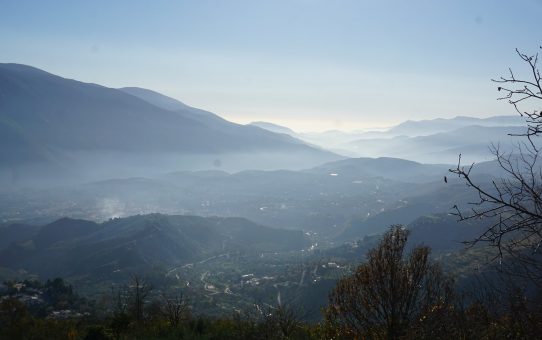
column 270, row 169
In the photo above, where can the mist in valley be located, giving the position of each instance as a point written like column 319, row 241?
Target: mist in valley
column 272, row 175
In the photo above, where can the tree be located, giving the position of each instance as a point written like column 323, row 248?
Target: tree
column 280, row 322
column 389, row 292
column 175, row 309
column 514, row 202
column 14, row 319
column 139, row 290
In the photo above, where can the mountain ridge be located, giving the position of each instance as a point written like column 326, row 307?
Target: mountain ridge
column 48, row 119
column 81, row 247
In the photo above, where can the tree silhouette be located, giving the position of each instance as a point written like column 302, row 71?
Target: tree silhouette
column 514, row 202
column 139, row 289
column 389, row 292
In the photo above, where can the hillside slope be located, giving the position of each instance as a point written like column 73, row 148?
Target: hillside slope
column 70, row 247
column 47, row 119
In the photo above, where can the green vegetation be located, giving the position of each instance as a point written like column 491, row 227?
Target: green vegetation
column 393, row 295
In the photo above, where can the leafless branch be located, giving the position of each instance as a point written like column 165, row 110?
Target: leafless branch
column 514, row 202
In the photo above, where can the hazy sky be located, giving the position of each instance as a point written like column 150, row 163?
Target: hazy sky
column 311, row 65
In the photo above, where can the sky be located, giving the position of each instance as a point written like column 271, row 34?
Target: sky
column 310, row 65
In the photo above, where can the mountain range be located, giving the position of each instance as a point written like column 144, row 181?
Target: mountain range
column 473, row 142
column 66, row 126
column 428, row 141
column 52, row 128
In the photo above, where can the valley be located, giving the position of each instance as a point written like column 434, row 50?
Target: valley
column 229, row 236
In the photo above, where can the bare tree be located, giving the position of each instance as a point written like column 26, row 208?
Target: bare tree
column 522, row 92
column 514, row 202
column 281, row 322
column 389, row 292
column 175, row 309
column 139, row 291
